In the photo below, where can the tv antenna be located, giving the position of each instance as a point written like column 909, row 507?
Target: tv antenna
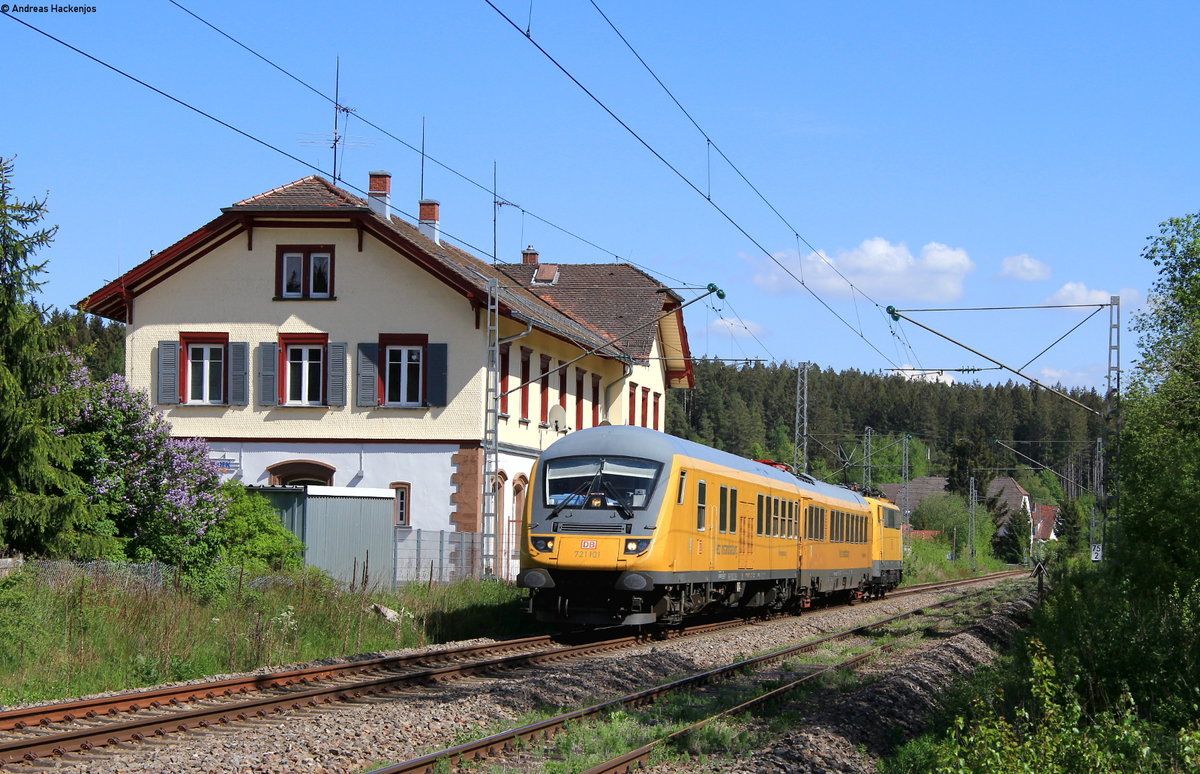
column 340, row 140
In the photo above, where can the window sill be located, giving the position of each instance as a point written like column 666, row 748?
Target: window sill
column 544, row 425
column 386, row 407
column 303, row 298
column 523, row 420
column 202, row 405
column 302, row 407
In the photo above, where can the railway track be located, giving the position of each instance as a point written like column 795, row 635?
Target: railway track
column 502, row 743
column 30, row 734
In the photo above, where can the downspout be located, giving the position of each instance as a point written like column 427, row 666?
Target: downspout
column 508, row 339
column 628, row 371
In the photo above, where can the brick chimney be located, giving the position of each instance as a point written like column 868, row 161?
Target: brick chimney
column 379, row 193
column 429, row 222
column 529, row 255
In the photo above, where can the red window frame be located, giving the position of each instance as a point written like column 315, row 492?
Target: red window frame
column 526, row 357
column 307, row 251
column 186, row 339
column 504, row 349
column 657, row 399
column 401, row 340
column 645, row 404
column 632, row 419
column 302, row 340
column 544, row 384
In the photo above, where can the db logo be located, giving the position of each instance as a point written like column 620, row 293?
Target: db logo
column 588, row 545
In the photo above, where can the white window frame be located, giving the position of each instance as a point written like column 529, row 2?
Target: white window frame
column 312, row 273
column 203, row 367
column 288, row 259
column 404, row 398
column 305, row 374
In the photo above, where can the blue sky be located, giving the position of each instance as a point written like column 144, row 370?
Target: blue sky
column 937, row 154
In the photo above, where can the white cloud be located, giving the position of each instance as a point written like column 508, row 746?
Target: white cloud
column 876, row 267
column 1067, row 378
column 1024, row 268
column 1079, row 293
column 739, row 329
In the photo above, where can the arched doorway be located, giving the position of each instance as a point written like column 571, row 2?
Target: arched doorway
column 504, row 537
column 300, row 473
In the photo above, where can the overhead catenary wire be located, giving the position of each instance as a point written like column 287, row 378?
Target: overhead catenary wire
column 421, row 150
column 896, row 313
column 712, row 145
column 686, row 180
column 308, row 165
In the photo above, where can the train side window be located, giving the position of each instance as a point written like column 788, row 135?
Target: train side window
column 682, row 487
column 792, row 510
column 723, row 504
column 733, row 511
column 701, row 496
column 775, row 516
column 760, row 514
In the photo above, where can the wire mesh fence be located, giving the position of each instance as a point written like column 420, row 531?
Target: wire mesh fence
column 124, row 575
column 437, row 556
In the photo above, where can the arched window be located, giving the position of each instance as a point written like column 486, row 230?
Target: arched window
column 401, row 513
column 301, row 472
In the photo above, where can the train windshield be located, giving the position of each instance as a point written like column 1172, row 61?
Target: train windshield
column 600, row 482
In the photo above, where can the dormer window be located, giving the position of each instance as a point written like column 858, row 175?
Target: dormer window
column 304, row 272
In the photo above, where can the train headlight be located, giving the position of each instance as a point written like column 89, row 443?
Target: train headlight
column 636, row 545
column 543, row 544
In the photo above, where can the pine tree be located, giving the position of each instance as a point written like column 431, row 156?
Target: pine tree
column 40, row 500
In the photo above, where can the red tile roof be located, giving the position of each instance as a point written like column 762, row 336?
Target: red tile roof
column 1045, row 517
column 305, row 194
column 615, row 299
column 595, row 308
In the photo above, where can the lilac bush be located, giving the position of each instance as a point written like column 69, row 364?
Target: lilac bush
column 159, row 495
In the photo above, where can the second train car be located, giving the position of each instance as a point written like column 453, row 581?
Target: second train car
column 625, row 525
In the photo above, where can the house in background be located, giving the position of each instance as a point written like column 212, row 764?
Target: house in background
column 1042, row 526
column 314, row 338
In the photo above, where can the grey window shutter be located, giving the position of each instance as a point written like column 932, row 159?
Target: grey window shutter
column 239, row 373
column 437, row 363
column 168, row 372
column 337, row 374
column 268, row 366
column 367, row 387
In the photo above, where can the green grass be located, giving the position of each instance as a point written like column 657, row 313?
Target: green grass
column 85, row 635
column 927, row 560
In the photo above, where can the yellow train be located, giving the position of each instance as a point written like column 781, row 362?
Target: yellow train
column 625, row 525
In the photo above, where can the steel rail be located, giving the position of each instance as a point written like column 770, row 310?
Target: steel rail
column 545, row 729
column 176, row 719
column 136, row 729
column 634, row 758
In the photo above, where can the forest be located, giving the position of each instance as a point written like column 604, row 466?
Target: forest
column 954, row 430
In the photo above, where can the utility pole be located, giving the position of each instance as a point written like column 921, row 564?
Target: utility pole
column 867, row 458
column 971, row 530
column 800, row 425
column 905, row 476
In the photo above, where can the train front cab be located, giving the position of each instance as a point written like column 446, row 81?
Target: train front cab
column 590, row 520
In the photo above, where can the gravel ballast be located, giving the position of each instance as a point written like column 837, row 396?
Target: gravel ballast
column 354, row 736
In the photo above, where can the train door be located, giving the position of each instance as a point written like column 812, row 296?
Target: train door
column 745, row 533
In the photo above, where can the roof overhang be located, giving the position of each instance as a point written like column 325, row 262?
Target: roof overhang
column 677, row 355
